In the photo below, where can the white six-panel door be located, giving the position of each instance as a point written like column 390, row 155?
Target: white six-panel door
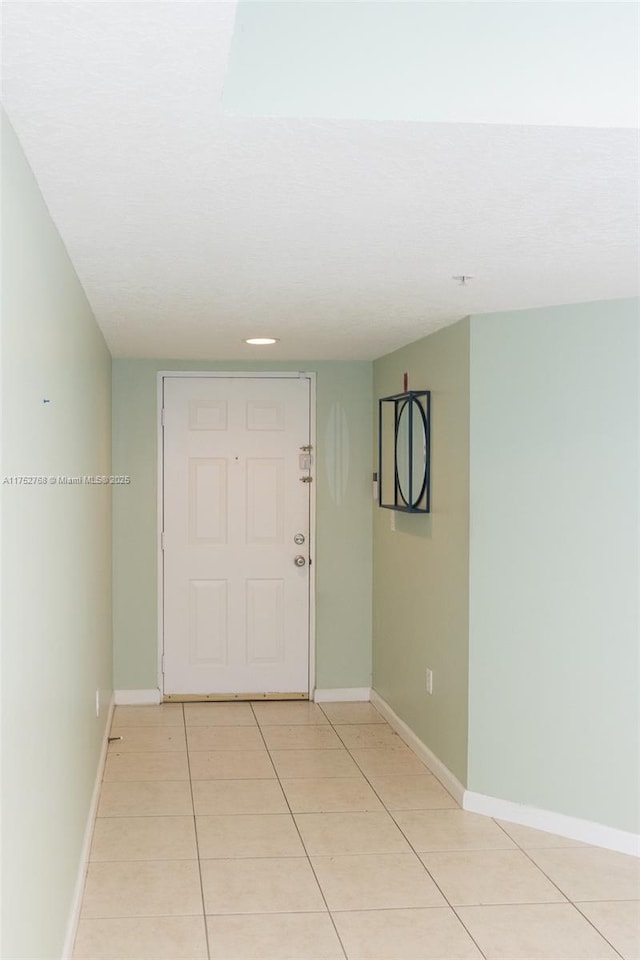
column 236, row 605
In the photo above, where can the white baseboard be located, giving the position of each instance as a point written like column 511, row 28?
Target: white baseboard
column 586, row 831
column 76, row 902
column 448, row 780
column 129, row 698
column 342, row 694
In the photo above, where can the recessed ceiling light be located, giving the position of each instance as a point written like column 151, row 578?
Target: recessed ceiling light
column 260, row 341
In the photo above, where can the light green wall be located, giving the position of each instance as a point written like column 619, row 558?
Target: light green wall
column 554, row 668
column 343, row 572
column 56, row 619
column 421, row 573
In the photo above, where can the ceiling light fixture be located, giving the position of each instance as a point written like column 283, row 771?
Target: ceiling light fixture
column 260, row 341
column 463, row 279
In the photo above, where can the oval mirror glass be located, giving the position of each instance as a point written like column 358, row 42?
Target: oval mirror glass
column 411, row 449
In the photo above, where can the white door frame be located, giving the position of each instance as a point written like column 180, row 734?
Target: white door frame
column 255, row 374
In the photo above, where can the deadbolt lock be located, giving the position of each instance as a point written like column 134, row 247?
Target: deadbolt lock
column 299, row 538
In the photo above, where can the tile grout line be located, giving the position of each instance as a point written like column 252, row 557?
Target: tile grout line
column 567, row 899
column 195, row 830
column 365, row 777
column 559, row 889
column 589, row 921
column 286, row 800
column 147, row 816
column 414, row 851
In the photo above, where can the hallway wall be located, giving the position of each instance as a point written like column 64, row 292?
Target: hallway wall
column 554, row 643
column 530, row 624
column 421, row 569
column 343, row 491
column 56, row 562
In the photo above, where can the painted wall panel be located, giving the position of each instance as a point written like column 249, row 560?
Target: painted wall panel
column 421, row 574
column 554, row 651
column 56, row 556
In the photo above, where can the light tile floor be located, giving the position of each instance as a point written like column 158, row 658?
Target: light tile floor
column 290, row 831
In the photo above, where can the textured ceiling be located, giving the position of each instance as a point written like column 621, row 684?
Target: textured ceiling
column 191, row 230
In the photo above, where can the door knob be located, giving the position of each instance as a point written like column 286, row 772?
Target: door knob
column 299, row 560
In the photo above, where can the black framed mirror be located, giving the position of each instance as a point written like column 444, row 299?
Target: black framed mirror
column 403, row 451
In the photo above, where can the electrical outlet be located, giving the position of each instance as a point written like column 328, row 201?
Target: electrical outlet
column 429, row 681
column 393, row 519
column 97, row 703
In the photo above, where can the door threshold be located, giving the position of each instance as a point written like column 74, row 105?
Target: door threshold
column 217, row 697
